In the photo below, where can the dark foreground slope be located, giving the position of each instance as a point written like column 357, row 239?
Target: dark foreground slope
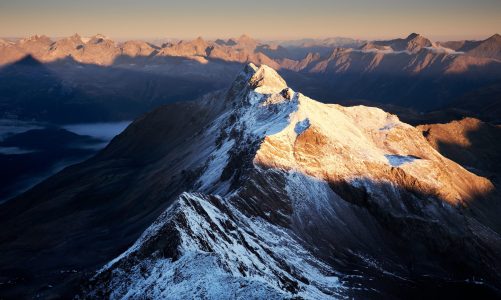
column 86, row 214
column 257, row 192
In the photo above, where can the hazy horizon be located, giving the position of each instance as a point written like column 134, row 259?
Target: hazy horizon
column 187, row 38
column 267, row 20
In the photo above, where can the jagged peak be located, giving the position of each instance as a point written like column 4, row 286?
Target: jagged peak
column 267, row 80
column 413, row 36
column 262, row 79
column 99, row 38
column 35, row 38
column 495, row 37
column 242, row 41
column 250, row 68
column 75, row 37
column 199, row 40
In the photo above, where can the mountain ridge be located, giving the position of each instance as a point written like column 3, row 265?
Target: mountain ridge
column 40, row 48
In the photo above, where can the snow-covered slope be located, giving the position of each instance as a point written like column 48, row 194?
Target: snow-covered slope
column 204, row 247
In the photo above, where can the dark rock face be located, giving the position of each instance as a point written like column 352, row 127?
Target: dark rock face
column 90, row 203
column 232, row 201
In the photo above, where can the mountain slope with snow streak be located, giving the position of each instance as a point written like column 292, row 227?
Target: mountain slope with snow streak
column 221, row 254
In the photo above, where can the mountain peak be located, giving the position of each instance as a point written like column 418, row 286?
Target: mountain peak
column 495, row 37
column 245, row 41
column 245, row 37
column 76, row 38
column 98, row 38
column 36, row 38
column 199, row 39
column 415, row 42
column 413, row 36
column 266, row 80
column 250, row 68
column 263, row 80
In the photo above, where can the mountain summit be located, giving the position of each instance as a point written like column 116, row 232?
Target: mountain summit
column 258, row 191
column 412, row 44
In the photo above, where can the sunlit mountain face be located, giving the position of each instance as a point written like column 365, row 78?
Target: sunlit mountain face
column 337, row 150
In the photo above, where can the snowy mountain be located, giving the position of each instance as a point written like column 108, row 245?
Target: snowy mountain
column 268, row 215
column 257, row 192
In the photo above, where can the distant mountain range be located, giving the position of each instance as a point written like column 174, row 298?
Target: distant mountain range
column 106, row 80
column 487, row 48
column 101, row 50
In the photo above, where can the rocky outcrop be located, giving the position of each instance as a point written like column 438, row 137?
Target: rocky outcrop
column 137, row 48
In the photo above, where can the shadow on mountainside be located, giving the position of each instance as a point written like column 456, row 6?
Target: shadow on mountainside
column 418, row 252
column 473, row 144
column 420, row 92
column 388, row 241
column 486, row 101
column 476, row 146
column 66, row 91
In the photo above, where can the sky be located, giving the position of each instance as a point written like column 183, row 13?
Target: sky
column 264, row 19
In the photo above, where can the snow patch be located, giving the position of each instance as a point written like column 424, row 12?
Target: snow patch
column 301, row 126
column 388, row 126
column 398, row 160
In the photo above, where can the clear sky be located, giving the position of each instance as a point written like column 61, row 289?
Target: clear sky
column 266, row 19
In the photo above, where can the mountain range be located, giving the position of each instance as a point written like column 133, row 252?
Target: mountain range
column 258, row 191
column 101, row 50
column 97, row 78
